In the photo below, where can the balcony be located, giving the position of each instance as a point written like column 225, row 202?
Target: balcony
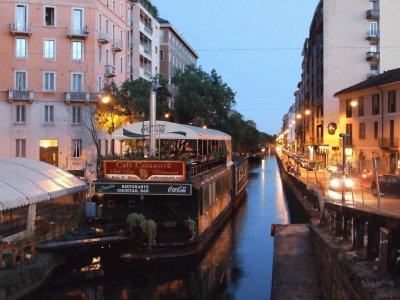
column 21, row 29
column 372, row 73
column 387, row 143
column 372, row 56
column 109, row 71
column 116, row 46
column 372, row 35
column 78, row 32
column 372, row 14
column 87, row 98
column 20, row 95
column 104, row 37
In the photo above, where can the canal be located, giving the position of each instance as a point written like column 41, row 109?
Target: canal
column 238, row 264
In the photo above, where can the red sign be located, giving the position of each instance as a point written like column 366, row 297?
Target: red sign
column 145, row 170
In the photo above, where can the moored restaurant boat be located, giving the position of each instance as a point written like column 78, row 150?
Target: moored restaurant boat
column 170, row 203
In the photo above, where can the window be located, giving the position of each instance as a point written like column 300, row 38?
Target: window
column 392, row 101
column 376, row 128
column 113, row 6
column 77, row 82
column 21, row 18
column 373, row 27
column 106, row 57
column 76, row 148
column 99, row 84
column 113, row 59
column 48, row 81
column 20, row 48
column 361, row 133
column 77, row 20
column 99, row 144
column 77, row 53
column 121, row 64
column 49, row 16
column 375, row 104
column 349, row 109
column 161, row 54
column 122, row 11
column 20, row 80
column 76, row 115
column 49, row 49
column 107, row 27
column 361, row 106
column 108, row 2
column 349, row 131
column 20, row 114
column 100, row 54
column 49, row 114
column 20, row 148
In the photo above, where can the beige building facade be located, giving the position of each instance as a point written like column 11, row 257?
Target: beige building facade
column 370, row 113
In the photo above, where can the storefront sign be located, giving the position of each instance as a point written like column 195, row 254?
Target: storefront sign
column 145, row 170
column 123, row 188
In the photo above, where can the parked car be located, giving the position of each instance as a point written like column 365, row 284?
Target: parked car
column 388, row 185
column 335, row 183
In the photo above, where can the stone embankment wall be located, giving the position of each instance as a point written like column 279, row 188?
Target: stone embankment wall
column 342, row 273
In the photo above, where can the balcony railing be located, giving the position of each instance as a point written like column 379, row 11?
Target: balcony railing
column 20, row 95
column 372, row 73
column 373, row 14
column 388, row 142
column 372, row 56
column 104, row 37
column 372, row 35
column 78, row 32
column 21, row 29
column 109, row 71
column 81, row 97
column 116, row 46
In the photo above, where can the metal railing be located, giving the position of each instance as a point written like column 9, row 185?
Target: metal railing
column 116, row 45
column 372, row 34
column 81, row 96
column 373, row 13
column 103, row 37
column 21, row 28
column 20, row 95
column 196, row 167
column 388, row 142
column 109, row 71
column 79, row 31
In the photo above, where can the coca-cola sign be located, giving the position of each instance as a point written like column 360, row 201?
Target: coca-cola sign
column 125, row 188
column 177, row 189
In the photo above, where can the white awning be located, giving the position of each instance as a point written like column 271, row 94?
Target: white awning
column 24, row 181
column 167, row 131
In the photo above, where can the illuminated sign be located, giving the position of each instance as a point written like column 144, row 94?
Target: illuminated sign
column 127, row 188
column 145, row 170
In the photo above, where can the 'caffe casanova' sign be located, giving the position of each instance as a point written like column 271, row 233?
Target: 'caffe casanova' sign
column 145, row 170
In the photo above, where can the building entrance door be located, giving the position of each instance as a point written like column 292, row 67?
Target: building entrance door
column 49, row 152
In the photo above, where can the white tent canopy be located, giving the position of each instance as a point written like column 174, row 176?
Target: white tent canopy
column 25, row 181
column 169, row 131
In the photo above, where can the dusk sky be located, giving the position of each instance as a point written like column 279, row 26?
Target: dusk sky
column 255, row 46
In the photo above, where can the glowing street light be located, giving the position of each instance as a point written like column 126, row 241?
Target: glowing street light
column 299, row 116
column 307, row 112
column 353, row 103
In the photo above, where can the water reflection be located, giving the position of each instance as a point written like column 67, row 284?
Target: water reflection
column 237, row 266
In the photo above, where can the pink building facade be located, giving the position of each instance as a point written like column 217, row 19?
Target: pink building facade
column 56, row 56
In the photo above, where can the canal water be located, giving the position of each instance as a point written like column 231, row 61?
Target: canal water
column 238, row 264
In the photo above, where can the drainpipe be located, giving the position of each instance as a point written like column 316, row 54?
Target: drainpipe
column 382, row 127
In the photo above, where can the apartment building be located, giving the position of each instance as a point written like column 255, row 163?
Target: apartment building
column 52, row 77
column 348, row 42
column 56, row 57
column 369, row 112
column 143, row 40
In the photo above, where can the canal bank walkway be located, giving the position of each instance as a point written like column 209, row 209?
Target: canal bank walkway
column 294, row 271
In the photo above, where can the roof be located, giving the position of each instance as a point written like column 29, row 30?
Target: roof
column 169, row 131
column 166, row 24
column 25, row 181
column 387, row 77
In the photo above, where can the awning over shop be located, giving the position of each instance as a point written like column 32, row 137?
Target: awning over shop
column 24, row 181
column 168, row 130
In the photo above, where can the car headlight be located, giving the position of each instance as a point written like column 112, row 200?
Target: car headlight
column 349, row 183
column 335, row 183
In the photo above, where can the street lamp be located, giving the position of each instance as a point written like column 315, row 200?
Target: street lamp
column 152, row 118
column 344, row 136
column 107, row 101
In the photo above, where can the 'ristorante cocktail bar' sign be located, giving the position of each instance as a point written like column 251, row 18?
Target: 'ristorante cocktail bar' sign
column 126, row 188
column 145, row 170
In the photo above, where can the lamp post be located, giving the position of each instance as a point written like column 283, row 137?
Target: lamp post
column 107, row 100
column 344, row 136
column 152, row 118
